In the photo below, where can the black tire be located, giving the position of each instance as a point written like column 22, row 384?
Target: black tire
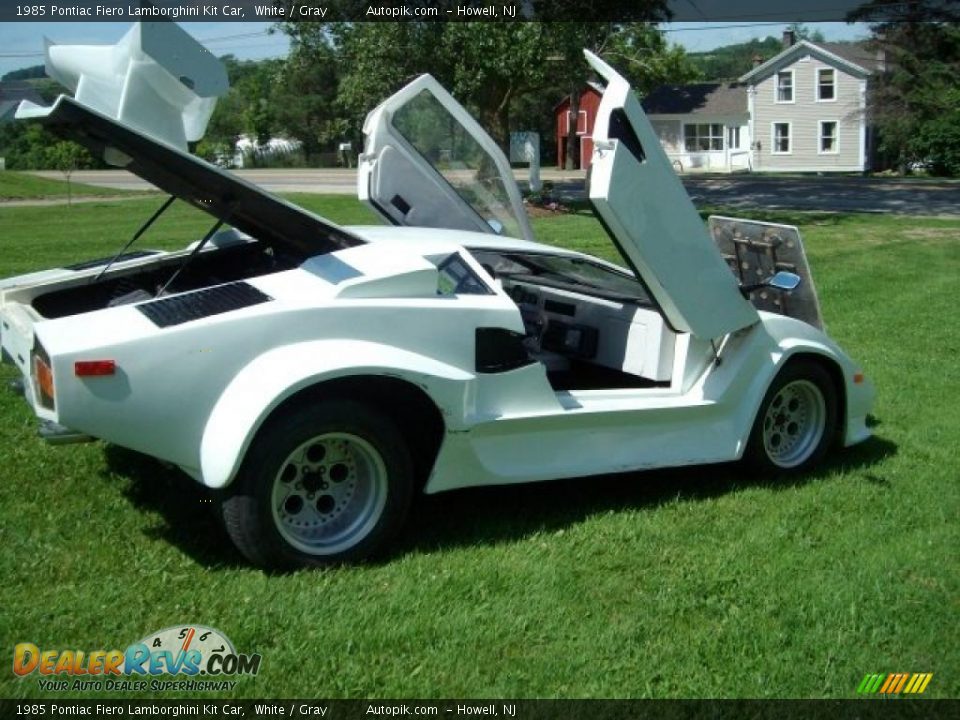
column 796, row 423
column 286, row 506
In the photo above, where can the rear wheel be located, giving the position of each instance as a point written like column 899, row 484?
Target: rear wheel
column 325, row 485
column 797, row 420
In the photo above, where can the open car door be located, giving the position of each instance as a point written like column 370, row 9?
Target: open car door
column 427, row 163
column 653, row 222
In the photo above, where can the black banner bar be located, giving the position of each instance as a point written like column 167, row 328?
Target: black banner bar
column 187, row 11
column 861, row 709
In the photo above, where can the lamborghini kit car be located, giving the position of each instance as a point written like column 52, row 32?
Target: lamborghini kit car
column 316, row 377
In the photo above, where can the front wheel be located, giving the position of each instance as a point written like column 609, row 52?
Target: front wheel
column 797, row 420
column 327, row 484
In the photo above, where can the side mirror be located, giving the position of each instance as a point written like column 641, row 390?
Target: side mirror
column 782, row 280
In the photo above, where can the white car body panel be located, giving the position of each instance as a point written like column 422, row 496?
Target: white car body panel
column 369, row 302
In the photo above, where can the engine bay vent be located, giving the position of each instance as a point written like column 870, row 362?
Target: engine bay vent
column 198, row 304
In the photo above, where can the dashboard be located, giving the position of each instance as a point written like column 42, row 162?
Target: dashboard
column 563, row 326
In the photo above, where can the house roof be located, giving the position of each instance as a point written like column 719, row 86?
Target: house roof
column 857, row 53
column 854, row 57
column 698, row 98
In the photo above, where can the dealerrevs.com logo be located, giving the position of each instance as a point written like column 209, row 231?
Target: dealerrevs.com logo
column 204, row 655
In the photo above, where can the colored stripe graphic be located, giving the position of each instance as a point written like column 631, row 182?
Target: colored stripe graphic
column 887, row 683
column 894, row 683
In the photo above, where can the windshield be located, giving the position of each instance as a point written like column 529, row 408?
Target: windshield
column 570, row 272
column 446, row 145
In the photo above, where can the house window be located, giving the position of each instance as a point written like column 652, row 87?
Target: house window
column 703, row 137
column 785, row 86
column 828, row 137
column 581, row 122
column 826, row 84
column 733, row 138
column 781, row 138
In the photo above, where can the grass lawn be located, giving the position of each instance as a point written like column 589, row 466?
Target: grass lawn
column 24, row 186
column 698, row 582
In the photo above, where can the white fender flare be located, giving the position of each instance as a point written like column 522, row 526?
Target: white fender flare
column 278, row 374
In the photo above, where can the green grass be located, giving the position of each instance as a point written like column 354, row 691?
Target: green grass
column 695, row 582
column 24, row 186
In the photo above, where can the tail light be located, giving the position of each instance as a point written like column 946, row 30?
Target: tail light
column 94, row 368
column 42, row 376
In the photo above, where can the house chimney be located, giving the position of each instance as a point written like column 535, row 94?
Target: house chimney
column 757, row 60
column 789, row 38
column 881, row 59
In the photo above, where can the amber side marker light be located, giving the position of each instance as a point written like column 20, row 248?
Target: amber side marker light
column 858, row 378
column 94, row 368
column 44, row 376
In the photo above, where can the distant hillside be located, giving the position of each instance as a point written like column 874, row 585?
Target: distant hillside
column 731, row 61
column 29, row 73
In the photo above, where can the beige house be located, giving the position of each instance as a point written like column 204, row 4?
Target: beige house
column 803, row 110
column 807, row 108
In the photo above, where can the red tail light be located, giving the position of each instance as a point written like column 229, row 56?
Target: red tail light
column 94, row 368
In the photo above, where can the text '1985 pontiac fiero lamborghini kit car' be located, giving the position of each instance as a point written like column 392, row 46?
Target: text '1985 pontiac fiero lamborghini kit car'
column 316, row 376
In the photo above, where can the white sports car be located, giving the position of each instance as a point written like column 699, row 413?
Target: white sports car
column 317, row 377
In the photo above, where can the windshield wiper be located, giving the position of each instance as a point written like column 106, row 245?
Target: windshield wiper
column 143, row 228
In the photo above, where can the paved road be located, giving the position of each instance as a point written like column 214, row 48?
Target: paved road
column 837, row 194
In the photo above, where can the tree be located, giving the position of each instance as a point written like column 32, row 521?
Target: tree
column 915, row 99
column 802, row 32
column 494, row 64
column 304, row 98
column 731, row 61
column 496, row 70
column 67, row 156
column 645, row 57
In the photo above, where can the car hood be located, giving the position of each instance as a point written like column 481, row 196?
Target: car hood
column 214, row 190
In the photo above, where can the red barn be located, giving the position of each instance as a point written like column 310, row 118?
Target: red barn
column 589, row 102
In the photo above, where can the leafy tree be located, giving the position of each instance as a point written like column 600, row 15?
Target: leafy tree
column 732, row 61
column 29, row 146
column 67, row 156
column 493, row 65
column 27, row 73
column 304, row 98
column 915, row 100
column 505, row 73
column 802, row 32
column 645, row 57
column 372, row 60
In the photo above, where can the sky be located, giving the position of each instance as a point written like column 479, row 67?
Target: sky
column 21, row 44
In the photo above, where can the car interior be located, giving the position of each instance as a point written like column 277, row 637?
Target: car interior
column 591, row 327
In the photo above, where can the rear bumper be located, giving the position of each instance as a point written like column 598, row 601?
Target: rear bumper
column 56, row 434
